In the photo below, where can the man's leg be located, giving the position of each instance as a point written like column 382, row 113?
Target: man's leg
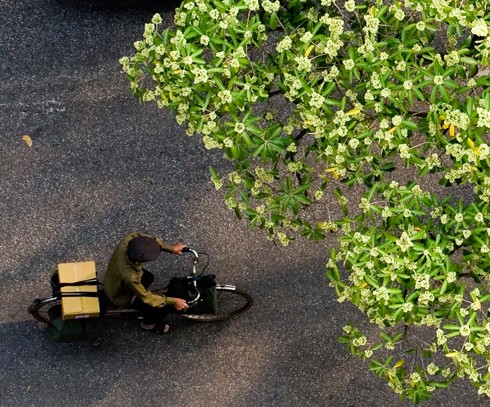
column 153, row 317
column 147, row 279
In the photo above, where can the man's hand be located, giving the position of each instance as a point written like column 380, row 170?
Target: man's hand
column 178, row 247
column 180, row 304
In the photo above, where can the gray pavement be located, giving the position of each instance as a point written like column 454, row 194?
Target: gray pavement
column 102, row 165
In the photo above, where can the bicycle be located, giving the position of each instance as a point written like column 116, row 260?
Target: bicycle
column 230, row 301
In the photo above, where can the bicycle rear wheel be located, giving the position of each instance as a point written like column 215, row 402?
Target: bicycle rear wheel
column 40, row 307
column 231, row 302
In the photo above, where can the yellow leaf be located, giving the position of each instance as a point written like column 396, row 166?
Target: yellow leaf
column 333, row 171
column 392, row 130
column 27, row 140
column 363, row 284
column 471, row 144
column 451, row 130
column 308, row 50
column 452, row 354
column 400, row 363
column 442, row 117
column 372, row 11
column 353, row 112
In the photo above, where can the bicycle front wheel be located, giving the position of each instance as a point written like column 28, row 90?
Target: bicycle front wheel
column 40, row 307
column 230, row 303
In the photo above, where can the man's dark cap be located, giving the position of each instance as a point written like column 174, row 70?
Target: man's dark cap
column 142, row 249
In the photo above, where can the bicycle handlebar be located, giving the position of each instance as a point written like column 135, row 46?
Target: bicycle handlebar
column 189, row 250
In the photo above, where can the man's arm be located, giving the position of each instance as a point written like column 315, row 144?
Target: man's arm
column 153, row 300
column 175, row 248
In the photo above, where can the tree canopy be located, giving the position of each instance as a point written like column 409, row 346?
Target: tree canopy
column 312, row 100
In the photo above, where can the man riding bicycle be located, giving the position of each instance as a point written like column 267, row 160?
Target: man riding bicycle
column 126, row 281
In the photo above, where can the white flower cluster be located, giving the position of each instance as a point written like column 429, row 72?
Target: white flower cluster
column 407, row 307
column 404, row 242
column 456, row 117
column 350, row 5
column 224, row 96
column 404, row 151
column 200, row 75
column 438, row 80
column 433, row 161
column 456, row 151
column 483, row 117
column 480, row 28
column 210, row 143
column 271, row 6
column 294, row 85
column 452, row 58
column 303, row 63
column 372, row 25
column 316, row 100
column 180, row 18
column 422, row 280
column 252, row 5
column 284, row 45
column 349, row 64
column 381, row 294
column 306, row 37
column 264, row 175
column 483, row 189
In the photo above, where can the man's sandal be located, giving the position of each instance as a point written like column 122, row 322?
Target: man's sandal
column 160, row 330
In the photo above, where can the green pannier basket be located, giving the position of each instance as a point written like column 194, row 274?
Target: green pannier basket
column 72, row 330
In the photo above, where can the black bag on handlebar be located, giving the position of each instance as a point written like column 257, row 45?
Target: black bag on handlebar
column 183, row 287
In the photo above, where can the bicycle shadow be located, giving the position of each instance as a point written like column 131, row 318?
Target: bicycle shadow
column 84, row 374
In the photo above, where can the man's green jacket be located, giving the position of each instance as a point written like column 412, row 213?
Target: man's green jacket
column 122, row 282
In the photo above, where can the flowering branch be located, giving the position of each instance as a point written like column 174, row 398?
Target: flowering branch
column 363, row 88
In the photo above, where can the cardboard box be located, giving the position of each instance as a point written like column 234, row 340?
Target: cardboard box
column 78, row 307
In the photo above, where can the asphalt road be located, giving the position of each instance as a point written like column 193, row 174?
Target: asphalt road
column 102, row 165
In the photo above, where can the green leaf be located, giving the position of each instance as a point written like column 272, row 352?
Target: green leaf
column 468, row 60
column 418, row 93
column 302, row 199
column 388, row 167
column 273, row 21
